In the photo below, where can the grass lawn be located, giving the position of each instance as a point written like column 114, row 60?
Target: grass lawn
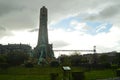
column 43, row 73
column 100, row 74
column 24, row 77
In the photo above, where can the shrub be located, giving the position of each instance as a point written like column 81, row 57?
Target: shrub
column 29, row 65
column 54, row 64
column 114, row 66
column 78, row 75
column 101, row 66
column 106, row 65
column 54, row 76
column 4, row 65
column 118, row 72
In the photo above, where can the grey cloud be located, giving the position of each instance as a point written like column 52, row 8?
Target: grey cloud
column 60, row 43
column 7, row 6
column 2, row 28
column 110, row 13
column 24, row 14
column 19, row 20
column 34, row 30
column 4, row 32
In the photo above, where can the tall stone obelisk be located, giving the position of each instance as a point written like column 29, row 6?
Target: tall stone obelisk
column 43, row 50
column 43, row 32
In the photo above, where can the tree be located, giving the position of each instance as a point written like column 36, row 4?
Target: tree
column 54, row 64
column 64, row 60
column 3, row 58
column 17, row 58
column 3, row 61
column 76, row 59
column 104, row 58
column 117, row 58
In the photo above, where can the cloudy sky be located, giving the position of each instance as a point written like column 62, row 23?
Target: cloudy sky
column 72, row 24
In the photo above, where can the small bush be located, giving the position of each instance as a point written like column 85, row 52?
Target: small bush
column 78, row 75
column 4, row 65
column 114, row 66
column 106, row 65
column 101, row 66
column 118, row 72
column 54, row 76
column 54, row 64
column 29, row 65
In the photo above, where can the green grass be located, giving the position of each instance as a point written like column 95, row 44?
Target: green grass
column 31, row 71
column 100, row 74
column 43, row 73
column 22, row 73
column 24, row 77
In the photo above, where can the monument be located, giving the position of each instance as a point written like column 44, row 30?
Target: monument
column 43, row 50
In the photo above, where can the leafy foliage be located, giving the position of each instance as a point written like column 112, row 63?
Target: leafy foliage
column 118, row 72
column 64, row 60
column 78, row 75
column 13, row 59
column 16, row 58
column 4, row 65
column 54, row 64
column 29, row 64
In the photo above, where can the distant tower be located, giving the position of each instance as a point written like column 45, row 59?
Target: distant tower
column 43, row 50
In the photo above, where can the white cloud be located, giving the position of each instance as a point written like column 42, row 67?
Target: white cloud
column 77, row 25
column 23, row 37
column 79, row 40
column 108, row 41
column 101, row 27
column 62, row 39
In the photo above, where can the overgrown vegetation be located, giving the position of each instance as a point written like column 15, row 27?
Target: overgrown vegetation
column 43, row 73
column 19, row 66
column 92, row 61
column 13, row 59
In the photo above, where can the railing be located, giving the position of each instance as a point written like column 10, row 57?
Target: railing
column 75, row 50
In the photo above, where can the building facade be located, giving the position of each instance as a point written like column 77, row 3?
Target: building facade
column 13, row 48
